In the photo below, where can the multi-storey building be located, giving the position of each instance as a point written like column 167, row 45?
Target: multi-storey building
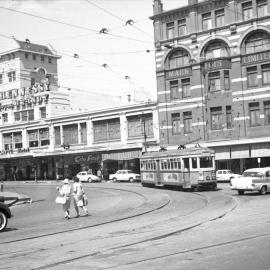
column 41, row 138
column 213, row 78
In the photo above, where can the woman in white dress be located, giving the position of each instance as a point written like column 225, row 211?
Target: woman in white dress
column 66, row 191
column 78, row 194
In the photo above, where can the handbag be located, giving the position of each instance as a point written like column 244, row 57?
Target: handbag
column 85, row 200
column 60, row 200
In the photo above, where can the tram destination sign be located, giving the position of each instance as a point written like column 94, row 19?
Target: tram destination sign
column 255, row 58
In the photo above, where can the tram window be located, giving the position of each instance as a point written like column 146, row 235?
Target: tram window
column 186, row 163
column 175, row 164
column 154, row 165
column 206, row 162
column 194, row 162
column 179, row 163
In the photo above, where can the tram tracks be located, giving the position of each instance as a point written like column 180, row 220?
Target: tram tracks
column 155, row 235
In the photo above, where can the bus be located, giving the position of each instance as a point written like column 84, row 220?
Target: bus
column 188, row 168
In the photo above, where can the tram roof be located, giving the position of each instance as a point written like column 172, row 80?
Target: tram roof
column 192, row 151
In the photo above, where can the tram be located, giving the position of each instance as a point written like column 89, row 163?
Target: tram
column 188, row 168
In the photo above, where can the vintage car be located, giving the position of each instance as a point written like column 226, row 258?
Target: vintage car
column 225, row 175
column 257, row 179
column 125, row 175
column 5, row 214
column 85, row 176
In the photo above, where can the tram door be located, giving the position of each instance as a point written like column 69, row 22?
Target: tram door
column 158, row 173
column 186, row 173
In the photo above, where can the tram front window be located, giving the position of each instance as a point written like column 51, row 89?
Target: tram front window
column 206, row 162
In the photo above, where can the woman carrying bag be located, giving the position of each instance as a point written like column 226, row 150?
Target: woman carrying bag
column 64, row 197
column 80, row 199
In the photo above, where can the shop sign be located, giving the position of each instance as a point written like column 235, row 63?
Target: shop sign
column 87, row 158
column 182, row 72
column 255, row 58
column 217, row 64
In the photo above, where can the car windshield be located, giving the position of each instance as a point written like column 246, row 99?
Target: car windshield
column 252, row 174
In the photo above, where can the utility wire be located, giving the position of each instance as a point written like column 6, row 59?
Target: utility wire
column 117, row 17
column 72, row 25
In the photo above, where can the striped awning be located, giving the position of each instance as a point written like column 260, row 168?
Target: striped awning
column 124, row 155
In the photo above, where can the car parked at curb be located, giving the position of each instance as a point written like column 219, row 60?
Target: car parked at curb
column 256, row 179
column 85, row 176
column 226, row 175
column 125, row 175
column 5, row 214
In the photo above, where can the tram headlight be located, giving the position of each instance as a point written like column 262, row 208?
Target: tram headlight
column 208, row 178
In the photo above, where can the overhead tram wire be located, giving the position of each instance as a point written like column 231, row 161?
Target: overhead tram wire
column 117, row 17
column 71, row 25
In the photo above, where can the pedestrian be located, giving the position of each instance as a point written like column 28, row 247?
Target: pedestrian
column 66, row 191
column 78, row 195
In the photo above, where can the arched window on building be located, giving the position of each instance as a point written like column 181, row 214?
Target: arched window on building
column 216, row 49
column 179, row 58
column 259, row 41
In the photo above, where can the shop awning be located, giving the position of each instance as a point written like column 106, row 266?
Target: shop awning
column 125, row 155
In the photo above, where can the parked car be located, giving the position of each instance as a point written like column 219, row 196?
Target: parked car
column 225, row 175
column 124, row 175
column 257, row 179
column 85, row 176
column 5, row 214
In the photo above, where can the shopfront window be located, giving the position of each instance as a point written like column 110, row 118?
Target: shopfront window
column 216, row 118
column 254, row 113
column 83, row 133
column 252, row 76
column 170, row 30
column 186, row 87
column 44, row 137
column 257, row 42
column 176, row 124
column 33, row 138
column 107, row 130
column 262, row 8
column 70, row 134
column 220, row 18
column 182, row 27
column 187, row 118
column 206, row 21
column 266, row 74
column 57, row 136
column 214, row 81
column 267, row 112
column 247, row 11
column 229, row 117
column 216, row 49
column 174, row 89
column 140, row 125
column 178, row 59
column 17, row 140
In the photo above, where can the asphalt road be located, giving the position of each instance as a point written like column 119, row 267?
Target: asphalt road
column 131, row 227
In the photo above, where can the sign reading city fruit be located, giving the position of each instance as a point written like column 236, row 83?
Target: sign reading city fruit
column 87, row 158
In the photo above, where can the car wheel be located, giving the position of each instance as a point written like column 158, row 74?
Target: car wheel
column 131, row 179
column 241, row 192
column 263, row 190
column 89, row 180
column 3, row 221
column 114, row 179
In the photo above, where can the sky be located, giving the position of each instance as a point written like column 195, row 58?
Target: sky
column 109, row 66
